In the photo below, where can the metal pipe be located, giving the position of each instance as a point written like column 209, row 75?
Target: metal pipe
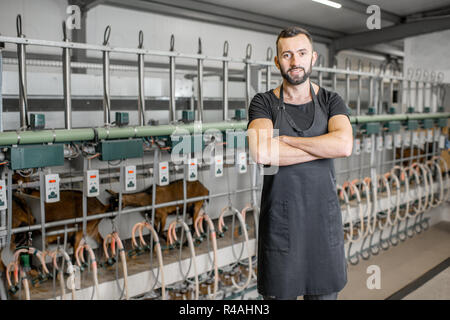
column 358, row 100
column 42, row 204
column 106, row 80
column 382, row 73
column 248, row 56
column 1, row 84
column 268, row 69
column 371, row 67
column 424, row 91
column 416, row 100
column 141, row 83
column 173, row 109
column 225, row 81
column 200, row 83
column 348, row 66
column 88, row 134
column 67, row 82
column 21, row 56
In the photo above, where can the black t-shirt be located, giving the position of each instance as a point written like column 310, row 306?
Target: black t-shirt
column 264, row 105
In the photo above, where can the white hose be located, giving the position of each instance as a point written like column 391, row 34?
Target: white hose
column 70, row 270
column 79, row 257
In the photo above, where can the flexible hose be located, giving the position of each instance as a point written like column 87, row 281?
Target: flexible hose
column 114, row 238
column 70, row 270
column 79, row 257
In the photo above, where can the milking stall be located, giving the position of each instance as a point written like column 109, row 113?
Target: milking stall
column 127, row 168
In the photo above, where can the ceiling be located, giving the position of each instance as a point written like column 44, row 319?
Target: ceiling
column 344, row 28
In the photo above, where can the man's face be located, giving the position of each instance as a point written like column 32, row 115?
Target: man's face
column 295, row 59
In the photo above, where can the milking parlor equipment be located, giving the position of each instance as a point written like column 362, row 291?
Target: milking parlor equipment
column 386, row 187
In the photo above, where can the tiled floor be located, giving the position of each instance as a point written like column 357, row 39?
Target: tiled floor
column 401, row 265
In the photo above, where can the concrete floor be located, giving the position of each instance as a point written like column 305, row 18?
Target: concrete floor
column 401, row 265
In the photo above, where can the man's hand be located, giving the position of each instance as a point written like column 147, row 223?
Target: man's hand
column 337, row 143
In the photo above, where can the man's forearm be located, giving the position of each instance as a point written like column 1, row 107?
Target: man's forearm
column 328, row 145
column 282, row 154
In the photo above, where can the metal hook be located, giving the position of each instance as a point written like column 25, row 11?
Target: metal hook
column 225, row 48
column 410, row 73
column 19, row 25
column 172, row 42
column 199, row 45
column 64, row 31
column 348, row 63
column 141, row 39
column 106, row 35
column 269, row 54
column 248, row 51
column 418, row 74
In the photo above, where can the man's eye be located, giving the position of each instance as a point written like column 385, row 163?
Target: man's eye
column 286, row 55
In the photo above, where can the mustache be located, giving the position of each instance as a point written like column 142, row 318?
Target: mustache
column 297, row 67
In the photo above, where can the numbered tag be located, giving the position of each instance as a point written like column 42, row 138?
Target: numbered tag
column 92, row 183
column 398, row 140
column 218, row 165
column 388, row 142
column 163, row 173
column 430, row 135
column 422, row 138
column 51, row 188
column 192, row 169
column 441, row 142
column 242, row 162
column 130, row 178
column 357, row 149
column 407, row 140
column 3, row 202
column 367, row 145
column 379, row 143
column 415, row 138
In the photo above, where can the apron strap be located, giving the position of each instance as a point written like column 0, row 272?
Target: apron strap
column 282, row 108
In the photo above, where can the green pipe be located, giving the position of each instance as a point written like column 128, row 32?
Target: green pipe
column 88, row 134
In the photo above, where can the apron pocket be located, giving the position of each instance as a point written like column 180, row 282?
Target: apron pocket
column 335, row 232
column 277, row 227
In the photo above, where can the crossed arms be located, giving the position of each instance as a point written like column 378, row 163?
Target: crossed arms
column 286, row 150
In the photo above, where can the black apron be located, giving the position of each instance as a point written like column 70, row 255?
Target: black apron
column 301, row 239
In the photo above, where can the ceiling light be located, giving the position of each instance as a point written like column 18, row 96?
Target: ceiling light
column 329, row 3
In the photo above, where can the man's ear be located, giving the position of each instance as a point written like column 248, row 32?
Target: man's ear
column 277, row 64
column 314, row 58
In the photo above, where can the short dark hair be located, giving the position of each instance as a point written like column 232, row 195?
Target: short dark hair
column 290, row 32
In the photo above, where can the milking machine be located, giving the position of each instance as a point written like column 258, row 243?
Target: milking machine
column 384, row 201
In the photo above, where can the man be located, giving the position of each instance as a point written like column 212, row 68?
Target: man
column 301, row 241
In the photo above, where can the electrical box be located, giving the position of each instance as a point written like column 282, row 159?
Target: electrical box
column 192, row 169
column 242, row 161
column 92, row 184
column 410, row 110
column 36, row 156
column 379, row 143
column 122, row 119
column 427, row 123
column 52, row 188
column 187, row 116
column 442, row 122
column 372, row 127
column 430, row 135
column 398, row 140
column 37, row 121
column 240, row 114
column 407, row 139
column 393, row 126
column 162, row 174
column 186, row 144
column 412, row 124
column 236, row 139
column 218, row 166
column 120, row 149
column 367, row 145
column 3, row 202
column 130, row 178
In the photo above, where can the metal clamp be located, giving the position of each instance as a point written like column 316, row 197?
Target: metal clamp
column 269, row 54
column 106, row 35
column 141, row 39
column 226, row 46
column 248, row 51
column 172, row 42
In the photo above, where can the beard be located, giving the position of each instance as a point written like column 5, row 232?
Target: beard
column 298, row 79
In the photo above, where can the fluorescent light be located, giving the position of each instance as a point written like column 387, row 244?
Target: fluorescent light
column 329, row 3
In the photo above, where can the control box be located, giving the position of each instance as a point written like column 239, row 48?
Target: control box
column 92, row 180
column 130, row 178
column 242, row 162
column 218, row 166
column 3, row 202
column 162, row 178
column 192, row 169
column 51, row 188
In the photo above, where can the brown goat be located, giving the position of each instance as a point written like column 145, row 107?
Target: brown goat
column 171, row 192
